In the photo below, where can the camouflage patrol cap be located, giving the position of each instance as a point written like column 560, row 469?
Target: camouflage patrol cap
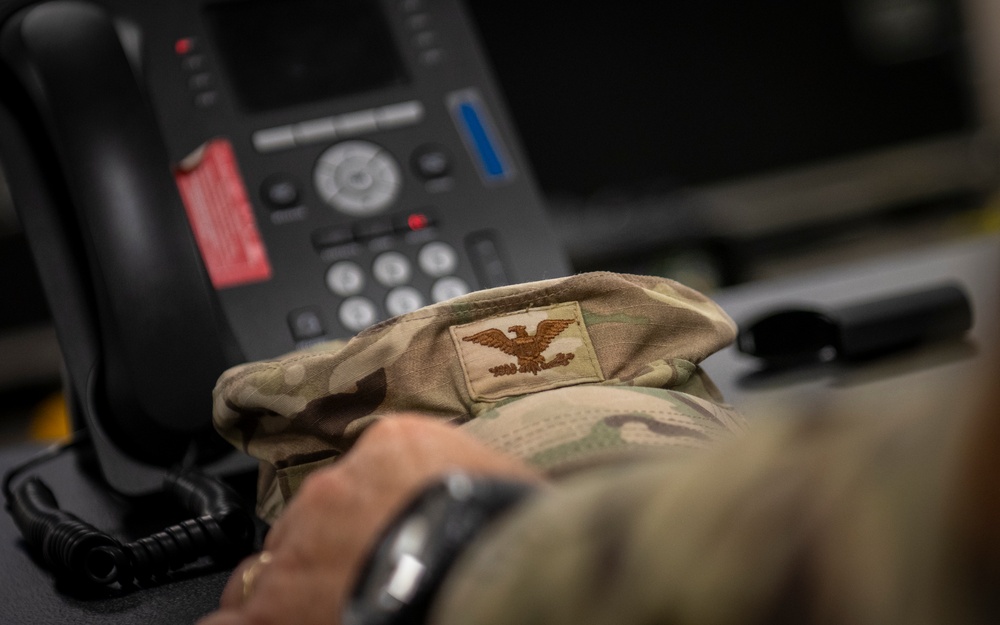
column 558, row 372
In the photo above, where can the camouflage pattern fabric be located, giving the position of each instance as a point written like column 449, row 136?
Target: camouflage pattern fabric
column 563, row 373
column 880, row 511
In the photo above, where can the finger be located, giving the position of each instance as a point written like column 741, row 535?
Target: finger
column 298, row 595
column 320, row 501
column 232, row 592
column 429, row 447
column 235, row 592
column 224, row 617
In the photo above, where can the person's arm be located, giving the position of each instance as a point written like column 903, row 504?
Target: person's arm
column 821, row 519
column 317, row 547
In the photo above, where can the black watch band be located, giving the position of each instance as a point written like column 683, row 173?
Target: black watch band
column 413, row 555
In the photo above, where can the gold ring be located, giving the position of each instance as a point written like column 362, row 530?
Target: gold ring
column 251, row 572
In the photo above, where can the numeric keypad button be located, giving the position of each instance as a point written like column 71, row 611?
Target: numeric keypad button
column 437, row 259
column 402, row 300
column 392, row 269
column 345, row 278
column 357, row 313
column 448, row 288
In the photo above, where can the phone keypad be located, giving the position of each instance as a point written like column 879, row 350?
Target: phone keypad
column 394, row 270
column 386, row 267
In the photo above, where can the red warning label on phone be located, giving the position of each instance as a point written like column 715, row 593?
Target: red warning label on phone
column 221, row 217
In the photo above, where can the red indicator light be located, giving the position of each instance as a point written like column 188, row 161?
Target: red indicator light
column 417, row 221
column 183, row 46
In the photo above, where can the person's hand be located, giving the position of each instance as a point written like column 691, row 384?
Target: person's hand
column 318, row 546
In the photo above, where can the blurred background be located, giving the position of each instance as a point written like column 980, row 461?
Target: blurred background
column 716, row 142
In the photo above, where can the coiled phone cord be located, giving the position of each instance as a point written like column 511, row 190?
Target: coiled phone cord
column 221, row 528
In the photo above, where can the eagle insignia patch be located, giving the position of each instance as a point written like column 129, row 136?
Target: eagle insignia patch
column 527, row 348
column 550, row 347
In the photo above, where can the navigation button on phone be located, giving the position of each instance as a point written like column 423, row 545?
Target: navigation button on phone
column 305, row 324
column 358, row 178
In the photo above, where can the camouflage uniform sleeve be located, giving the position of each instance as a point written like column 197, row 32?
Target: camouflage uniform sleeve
column 806, row 521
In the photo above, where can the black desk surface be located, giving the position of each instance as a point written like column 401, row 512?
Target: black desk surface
column 974, row 264
column 28, row 594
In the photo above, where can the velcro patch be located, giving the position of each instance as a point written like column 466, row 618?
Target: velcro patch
column 526, row 351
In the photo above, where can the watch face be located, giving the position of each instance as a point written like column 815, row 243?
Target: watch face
column 400, row 565
column 399, row 581
column 403, row 567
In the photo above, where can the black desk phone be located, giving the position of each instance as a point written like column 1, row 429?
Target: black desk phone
column 206, row 182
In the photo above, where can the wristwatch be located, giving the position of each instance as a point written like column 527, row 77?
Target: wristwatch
column 403, row 574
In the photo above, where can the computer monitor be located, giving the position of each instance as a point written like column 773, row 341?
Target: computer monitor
column 651, row 123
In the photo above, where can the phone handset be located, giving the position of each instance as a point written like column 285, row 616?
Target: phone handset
column 163, row 340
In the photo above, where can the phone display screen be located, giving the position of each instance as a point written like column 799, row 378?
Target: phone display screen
column 280, row 54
